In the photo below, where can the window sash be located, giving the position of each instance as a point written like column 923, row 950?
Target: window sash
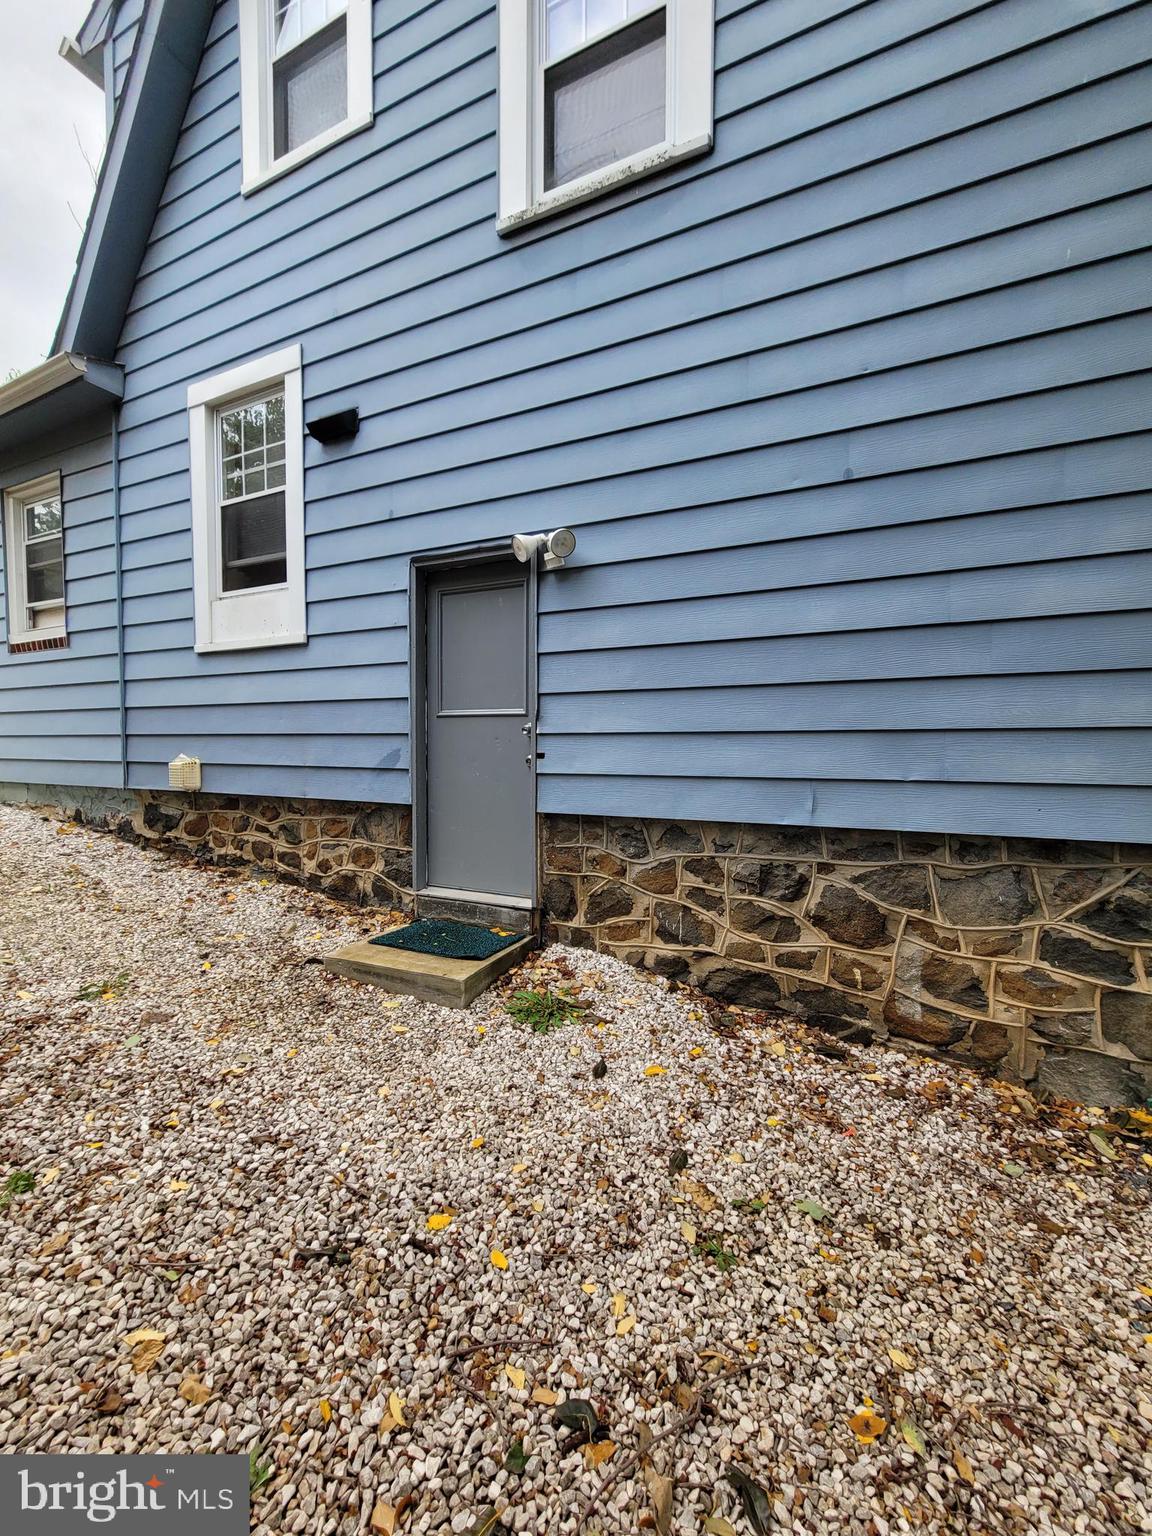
column 287, row 30
column 633, row 11
column 35, row 561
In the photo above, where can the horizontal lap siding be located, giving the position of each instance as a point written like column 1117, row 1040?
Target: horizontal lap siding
column 850, row 417
column 60, row 710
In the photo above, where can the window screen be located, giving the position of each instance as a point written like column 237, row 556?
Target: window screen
column 252, row 526
column 43, row 561
column 606, row 101
column 309, row 70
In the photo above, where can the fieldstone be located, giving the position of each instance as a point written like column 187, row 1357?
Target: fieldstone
column 993, row 945
column 741, row 988
column 629, row 839
column 975, row 850
column 1068, row 953
column 847, row 917
column 362, row 857
column 1064, row 1028
column 565, row 860
column 924, row 845
column 777, row 882
column 797, row 959
column 722, row 838
column 711, row 901
column 666, row 963
column 396, row 865
column 375, row 825
column 660, row 878
column 592, row 831
column 157, row 819
column 931, row 934
column 1125, row 914
column 1040, row 850
column 625, row 932
column 993, row 898
column 195, row 825
column 1066, row 888
column 560, row 898
column 1040, row 988
column 855, row 974
column 674, row 837
column 345, row 886
column 288, row 858
column 707, row 871
column 791, row 842
column 898, row 885
column 951, row 980
column 1126, row 1018
column 608, row 901
column 826, row 1008
column 763, row 923
column 289, row 832
column 744, row 949
column 601, row 863
column 677, row 924
column 856, row 847
column 908, row 1018
column 1090, row 1078
column 988, row 1042
column 562, row 829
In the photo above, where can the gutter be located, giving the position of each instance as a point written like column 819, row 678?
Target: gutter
column 118, row 552
column 64, row 368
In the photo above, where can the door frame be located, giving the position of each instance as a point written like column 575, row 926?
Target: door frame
column 421, row 569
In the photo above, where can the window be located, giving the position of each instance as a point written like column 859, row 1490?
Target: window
column 594, row 93
column 34, row 546
column 306, row 80
column 246, row 447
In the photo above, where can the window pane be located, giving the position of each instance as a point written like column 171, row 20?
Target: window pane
column 252, row 419
column 44, row 552
column 233, row 480
column 310, row 88
column 564, row 24
column 274, row 419
column 42, row 517
column 297, row 19
column 46, row 582
column 231, row 432
column 252, row 543
column 275, row 474
column 250, row 435
column 605, row 103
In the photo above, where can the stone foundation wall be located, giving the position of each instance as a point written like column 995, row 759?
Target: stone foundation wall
column 1031, row 959
column 353, row 852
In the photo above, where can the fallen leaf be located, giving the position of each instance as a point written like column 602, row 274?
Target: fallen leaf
column 499, row 1259
column 486, row 1522
column 912, row 1434
column 516, row 1376
column 1103, row 1146
column 477, row 1143
column 147, row 1345
column 688, row 1233
column 325, row 1410
column 176, row 1185
column 1014, row 1170
column 901, row 1360
column 812, row 1208
column 108, row 1401
column 599, row 1452
column 660, row 1492
column 383, row 1522
column 625, row 1325
column 48, row 1175
column 867, row 1426
column 517, row 1457
column 396, row 1409
column 655, row 1070
column 715, row 1526
column 577, row 1413
column 964, row 1467
column 546, row 1396
column 754, row 1500
column 619, row 1304
column 193, row 1391
column 589, row 1287
column 54, row 1244
column 439, row 1220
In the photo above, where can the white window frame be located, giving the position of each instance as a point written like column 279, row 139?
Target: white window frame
column 690, row 28
column 259, row 162
column 16, row 498
column 275, row 615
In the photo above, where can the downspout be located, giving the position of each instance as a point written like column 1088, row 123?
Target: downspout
column 122, row 696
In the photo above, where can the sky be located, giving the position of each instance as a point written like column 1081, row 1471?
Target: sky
column 51, row 117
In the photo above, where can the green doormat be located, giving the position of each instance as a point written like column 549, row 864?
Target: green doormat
column 456, row 941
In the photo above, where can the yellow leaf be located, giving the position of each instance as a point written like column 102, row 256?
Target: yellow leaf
column 193, row 1391
column 654, row 1071
column 697, row 1050
column 178, row 1184
column 596, row 1455
column 396, row 1408
column 93, row 1146
column 383, row 1521
column 498, row 1259
column 519, row 1167
column 590, row 1287
column 516, row 1376
column 545, row 1395
column 399, row 1029
column 625, row 1325
column 146, row 1345
column 477, row 1143
column 688, row 1232
column 964, row 1467
column 867, row 1426
column 206, row 965
column 735, row 1157
column 619, row 1304
column 391, row 1002
column 215, row 1040
column 49, row 1175
column 901, row 1360
column 439, row 1220
column 25, row 997
column 627, row 1002
column 292, row 1051
column 325, row 1410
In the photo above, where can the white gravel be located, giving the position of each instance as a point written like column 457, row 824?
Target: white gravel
column 267, row 1109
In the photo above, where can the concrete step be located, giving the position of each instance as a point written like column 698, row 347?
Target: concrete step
column 435, row 978
column 478, row 907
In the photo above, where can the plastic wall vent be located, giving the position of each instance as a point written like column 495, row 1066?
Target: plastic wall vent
column 184, row 773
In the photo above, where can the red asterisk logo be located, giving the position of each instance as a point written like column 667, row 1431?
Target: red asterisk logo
column 154, row 1482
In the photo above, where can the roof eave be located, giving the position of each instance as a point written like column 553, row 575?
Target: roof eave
column 68, row 387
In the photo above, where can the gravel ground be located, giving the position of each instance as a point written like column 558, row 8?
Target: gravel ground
column 894, row 1296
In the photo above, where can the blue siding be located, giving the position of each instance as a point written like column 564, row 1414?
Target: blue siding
column 61, row 709
column 125, row 26
column 850, row 417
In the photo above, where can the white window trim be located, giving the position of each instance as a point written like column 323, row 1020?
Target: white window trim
column 258, row 163
column 690, row 32
column 16, row 498
column 236, row 621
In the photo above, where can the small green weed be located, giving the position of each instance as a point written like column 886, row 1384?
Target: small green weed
column 713, row 1248
column 260, row 1471
column 105, row 991
column 544, row 1011
column 21, row 1182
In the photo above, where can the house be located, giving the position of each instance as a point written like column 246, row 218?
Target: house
column 823, row 326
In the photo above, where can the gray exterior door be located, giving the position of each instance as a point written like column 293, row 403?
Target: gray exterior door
column 481, row 790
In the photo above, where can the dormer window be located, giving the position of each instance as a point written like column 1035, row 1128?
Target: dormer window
column 306, row 80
